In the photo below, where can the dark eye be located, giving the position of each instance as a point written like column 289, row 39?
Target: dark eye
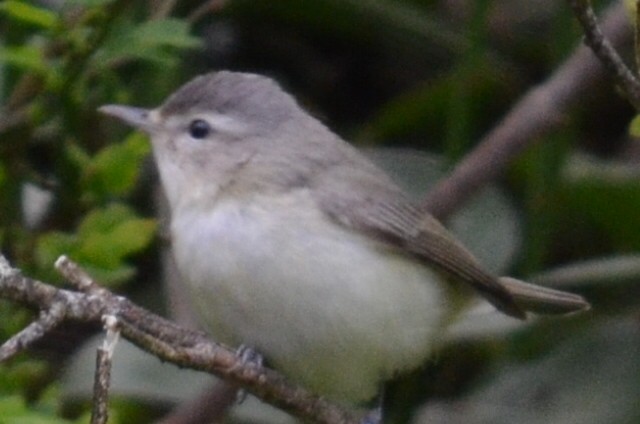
column 199, row 128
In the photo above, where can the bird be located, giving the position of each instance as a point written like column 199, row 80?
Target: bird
column 291, row 242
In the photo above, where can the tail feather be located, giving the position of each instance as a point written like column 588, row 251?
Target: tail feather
column 543, row 300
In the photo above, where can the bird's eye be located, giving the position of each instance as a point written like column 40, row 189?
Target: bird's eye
column 199, row 128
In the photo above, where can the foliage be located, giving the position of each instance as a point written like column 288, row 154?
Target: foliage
column 404, row 73
column 56, row 67
column 15, row 410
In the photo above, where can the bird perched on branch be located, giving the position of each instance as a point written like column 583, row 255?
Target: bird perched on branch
column 292, row 243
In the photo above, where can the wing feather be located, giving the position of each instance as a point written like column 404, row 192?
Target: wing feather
column 378, row 207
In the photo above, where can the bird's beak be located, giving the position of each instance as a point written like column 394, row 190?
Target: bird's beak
column 136, row 117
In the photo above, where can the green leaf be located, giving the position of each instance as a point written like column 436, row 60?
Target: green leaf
column 109, row 235
column 111, row 277
column 16, row 411
column 21, row 373
column 115, row 169
column 23, row 57
column 151, row 41
column 634, row 126
column 77, row 155
column 103, row 220
column 607, row 194
column 108, row 247
column 28, row 13
column 165, row 32
column 103, row 241
column 51, row 245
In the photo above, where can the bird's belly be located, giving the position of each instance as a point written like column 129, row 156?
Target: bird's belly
column 328, row 307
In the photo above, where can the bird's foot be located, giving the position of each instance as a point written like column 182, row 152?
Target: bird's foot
column 247, row 355
column 374, row 416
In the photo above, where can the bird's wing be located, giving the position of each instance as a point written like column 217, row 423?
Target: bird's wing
column 374, row 206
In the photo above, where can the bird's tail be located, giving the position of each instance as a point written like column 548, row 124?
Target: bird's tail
column 543, row 300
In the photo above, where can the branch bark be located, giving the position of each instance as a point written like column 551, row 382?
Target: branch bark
column 102, row 378
column 537, row 113
column 605, row 52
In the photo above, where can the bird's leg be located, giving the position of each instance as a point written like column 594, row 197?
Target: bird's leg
column 374, row 415
column 248, row 356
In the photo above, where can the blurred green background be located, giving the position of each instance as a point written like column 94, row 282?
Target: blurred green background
column 415, row 82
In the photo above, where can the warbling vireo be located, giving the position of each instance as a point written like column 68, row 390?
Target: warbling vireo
column 294, row 244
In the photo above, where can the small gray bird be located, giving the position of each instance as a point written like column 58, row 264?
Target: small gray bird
column 294, row 244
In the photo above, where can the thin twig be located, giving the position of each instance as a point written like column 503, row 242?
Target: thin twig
column 102, row 378
column 603, row 49
column 77, row 276
column 48, row 319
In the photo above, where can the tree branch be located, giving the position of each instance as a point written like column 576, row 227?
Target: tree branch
column 102, row 378
column 539, row 111
column 164, row 339
column 48, row 320
column 602, row 48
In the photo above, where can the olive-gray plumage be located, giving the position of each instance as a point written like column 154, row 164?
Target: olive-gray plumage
column 388, row 214
column 295, row 244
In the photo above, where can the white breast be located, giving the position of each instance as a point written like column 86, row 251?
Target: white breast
column 328, row 307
